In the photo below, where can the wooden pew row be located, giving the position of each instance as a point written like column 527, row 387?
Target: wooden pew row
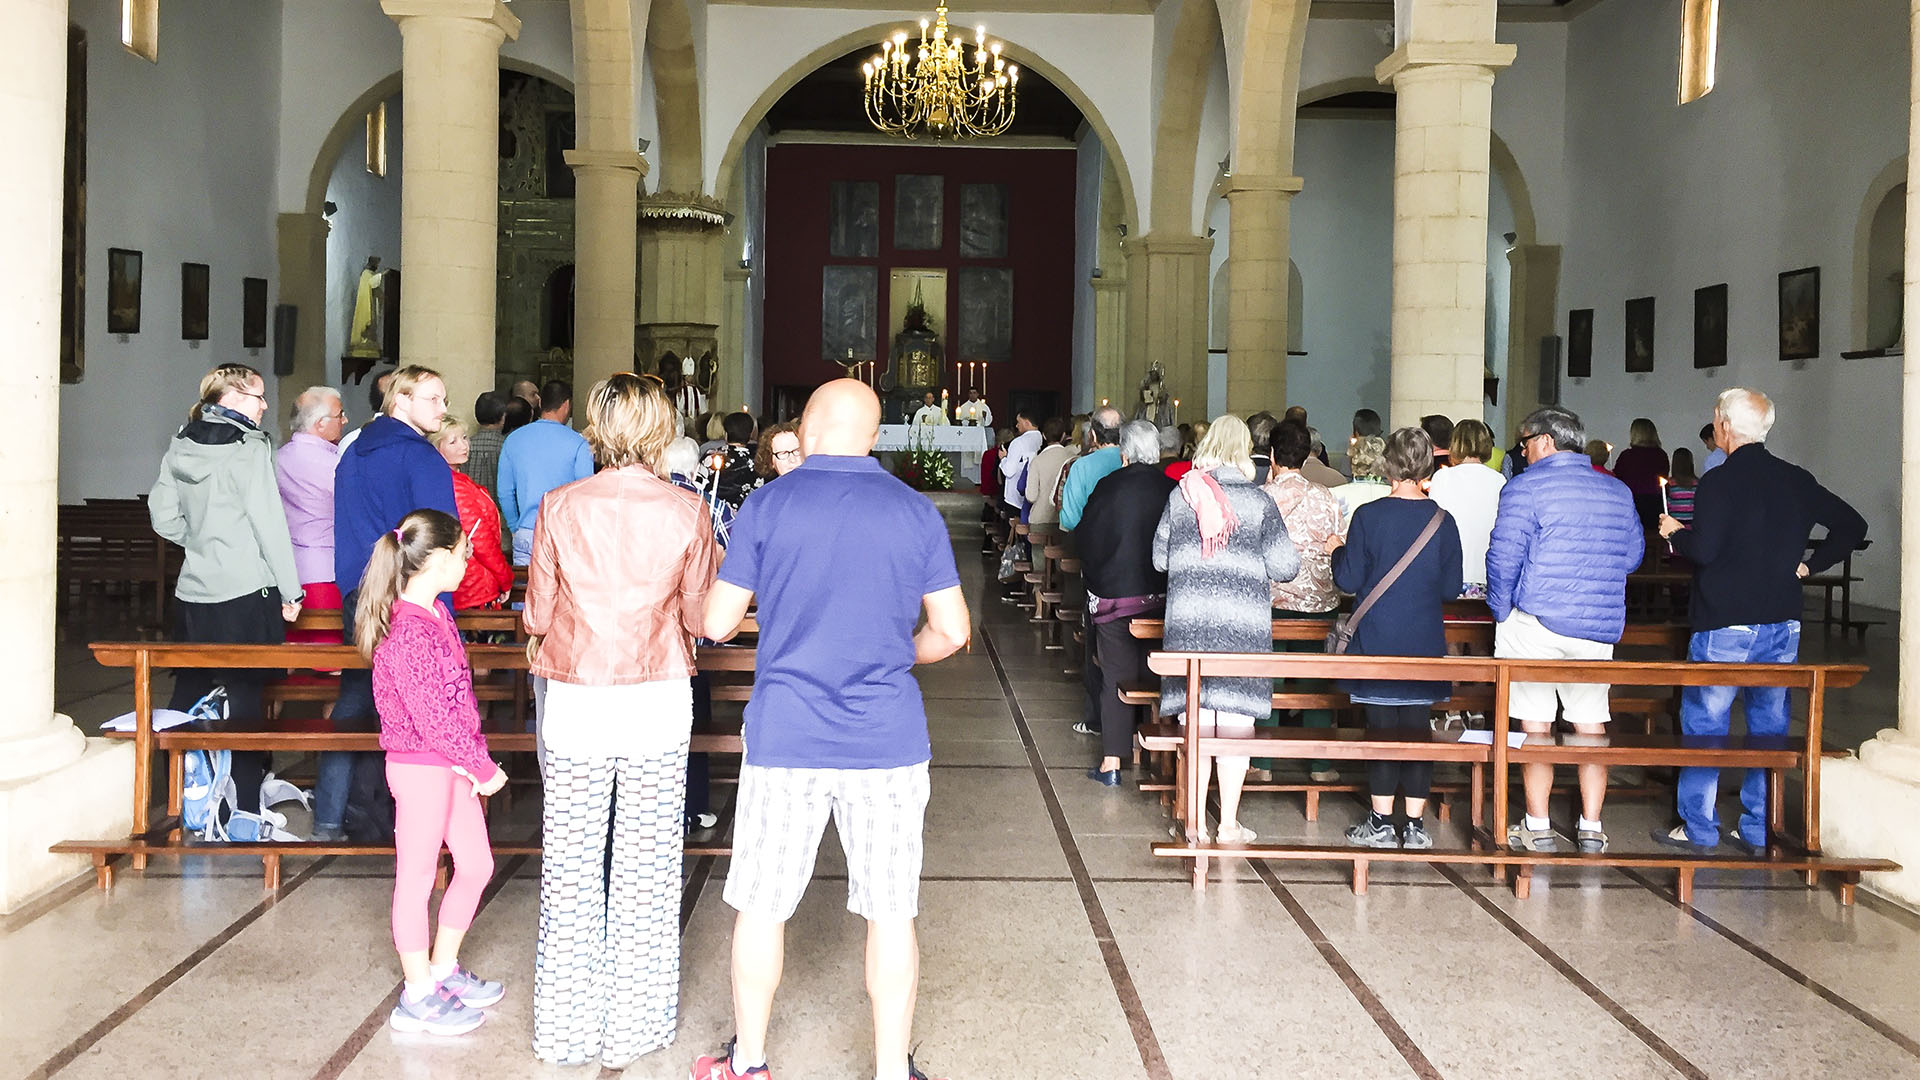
column 163, row 837
column 112, row 542
column 1495, row 760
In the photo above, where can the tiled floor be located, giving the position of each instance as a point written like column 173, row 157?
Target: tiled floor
column 1055, row 944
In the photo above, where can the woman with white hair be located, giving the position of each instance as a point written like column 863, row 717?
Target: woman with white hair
column 1222, row 543
column 1367, row 484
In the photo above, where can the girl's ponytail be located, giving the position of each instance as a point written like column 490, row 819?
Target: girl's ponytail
column 397, row 556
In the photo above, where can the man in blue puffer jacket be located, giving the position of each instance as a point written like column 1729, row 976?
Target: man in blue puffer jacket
column 1564, row 541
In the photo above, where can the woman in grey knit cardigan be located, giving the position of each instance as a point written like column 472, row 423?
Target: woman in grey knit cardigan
column 1222, row 542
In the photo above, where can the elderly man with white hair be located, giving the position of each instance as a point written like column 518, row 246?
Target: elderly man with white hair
column 1747, row 541
column 304, row 469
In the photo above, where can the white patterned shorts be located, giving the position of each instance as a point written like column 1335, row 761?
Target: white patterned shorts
column 782, row 815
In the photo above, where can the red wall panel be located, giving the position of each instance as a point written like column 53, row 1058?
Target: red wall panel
column 1040, row 193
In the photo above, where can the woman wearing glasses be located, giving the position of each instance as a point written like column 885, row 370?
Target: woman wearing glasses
column 615, row 622
column 779, row 451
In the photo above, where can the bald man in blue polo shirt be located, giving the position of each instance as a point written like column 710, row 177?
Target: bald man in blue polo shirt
column 843, row 558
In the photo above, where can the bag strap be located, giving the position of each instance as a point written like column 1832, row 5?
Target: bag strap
column 1393, row 575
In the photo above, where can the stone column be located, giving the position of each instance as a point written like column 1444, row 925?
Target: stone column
column 450, row 186
column 1535, row 270
column 54, row 783
column 1870, row 802
column 1259, row 209
column 1110, row 381
column 730, row 374
column 606, row 184
column 303, row 283
column 1441, row 126
column 1166, row 319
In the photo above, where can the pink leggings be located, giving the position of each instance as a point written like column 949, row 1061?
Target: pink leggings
column 433, row 804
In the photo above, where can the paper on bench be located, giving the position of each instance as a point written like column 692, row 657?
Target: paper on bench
column 162, row 720
column 1485, row 737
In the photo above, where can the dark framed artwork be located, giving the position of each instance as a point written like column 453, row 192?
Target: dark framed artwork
column 983, row 221
column 853, row 219
column 1800, row 314
column 986, row 314
column 73, row 216
column 919, row 210
column 123, row 291
column 1580, row 343
column 1710, row 327
column 1639, row 340
column 196, row 291
column 849, row 312
column 253, row 313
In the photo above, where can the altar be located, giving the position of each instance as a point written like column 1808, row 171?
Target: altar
column 946, row 438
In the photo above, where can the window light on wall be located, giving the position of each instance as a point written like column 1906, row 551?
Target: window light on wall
column 377, row 140
column 1699, row 48
column 140, row 28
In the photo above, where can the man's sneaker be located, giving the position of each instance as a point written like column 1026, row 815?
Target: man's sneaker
column 1591, row 841
column 1741, row 844
column 473, row 991
column 327, row 834
column 720, row 1067
column 1080, row 728
column 439, row 1013
column 1373, row 831
column 1521, row 838
column 1324, row 776
column 1677, row 838
column 1416, row 837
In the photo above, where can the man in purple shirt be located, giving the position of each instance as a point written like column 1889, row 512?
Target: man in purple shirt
column 305, row 470
column 835, row 726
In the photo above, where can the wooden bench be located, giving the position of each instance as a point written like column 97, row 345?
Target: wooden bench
column 112, row 543
column 150, row 837
column 1494, row 761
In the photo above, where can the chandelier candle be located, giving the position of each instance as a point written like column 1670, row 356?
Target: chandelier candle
column 940, row 88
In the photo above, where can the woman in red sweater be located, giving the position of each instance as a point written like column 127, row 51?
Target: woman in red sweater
column 437, row 764
column 489, row 580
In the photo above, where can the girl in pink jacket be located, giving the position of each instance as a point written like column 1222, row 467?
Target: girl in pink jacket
column 437, row 764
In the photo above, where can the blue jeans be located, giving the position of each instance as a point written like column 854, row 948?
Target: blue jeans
column 352, row 711
column 1708, row 710
column 522, row 546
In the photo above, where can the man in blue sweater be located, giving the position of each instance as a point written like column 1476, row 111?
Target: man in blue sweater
column 538, row 458
column 390, row 471
column 1565, row 539
column 1747, row 540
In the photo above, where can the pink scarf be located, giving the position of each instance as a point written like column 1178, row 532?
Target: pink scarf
column 1210, row 506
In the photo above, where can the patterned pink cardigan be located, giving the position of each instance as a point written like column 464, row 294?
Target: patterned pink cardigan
column 424, row 691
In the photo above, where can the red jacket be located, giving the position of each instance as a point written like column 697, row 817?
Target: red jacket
column 990, row 472
column 488, row 574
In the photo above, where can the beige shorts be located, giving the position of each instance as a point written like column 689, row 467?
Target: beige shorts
column 782, row 815
column 1521, row 637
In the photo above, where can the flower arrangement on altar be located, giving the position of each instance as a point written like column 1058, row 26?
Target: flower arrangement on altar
column 923, row 468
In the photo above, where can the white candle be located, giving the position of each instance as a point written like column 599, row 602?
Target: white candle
column 1663, row 497
column 1176, row 412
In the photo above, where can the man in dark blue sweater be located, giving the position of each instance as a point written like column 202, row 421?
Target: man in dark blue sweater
column 1752, row 517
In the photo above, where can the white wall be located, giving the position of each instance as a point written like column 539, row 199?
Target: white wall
column 367, row 222
column 1089, row 166
column 1342, row 241
column 1765, row 174
column 1105, row 56
column 180, row 166
column 1215, row 142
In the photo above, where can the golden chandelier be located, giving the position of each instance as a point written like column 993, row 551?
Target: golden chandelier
column 935, row 90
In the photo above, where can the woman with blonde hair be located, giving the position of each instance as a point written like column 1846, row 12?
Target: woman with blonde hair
column 489, row 580
column 614, row 621
column 1641, row 466
column 1367, row 484
column 1222, row 543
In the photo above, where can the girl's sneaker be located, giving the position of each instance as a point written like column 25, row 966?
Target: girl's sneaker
column 439, row 1013
column 473, row 991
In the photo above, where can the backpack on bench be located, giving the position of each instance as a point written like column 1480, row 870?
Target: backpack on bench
column 208, row 782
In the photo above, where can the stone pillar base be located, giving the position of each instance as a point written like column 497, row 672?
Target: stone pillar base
column 1868, row 804
column 89, row 798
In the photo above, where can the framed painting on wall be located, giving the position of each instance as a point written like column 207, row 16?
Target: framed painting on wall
column 919, row 210
column 853, row 219
column 1710, row 327
column 849, row 310
column 196, row 288
column 986, row 314
column 1639, row 341
column 983, row 221
column 1580, row 343
column 253, row 313
column 1800, row 314
column 123, row 291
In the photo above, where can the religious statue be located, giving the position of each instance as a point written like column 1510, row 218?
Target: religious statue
column 364, row 338
column 1155, row 404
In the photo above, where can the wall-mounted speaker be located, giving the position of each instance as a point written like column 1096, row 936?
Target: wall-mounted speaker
column 285, row 319
column 1550, row 370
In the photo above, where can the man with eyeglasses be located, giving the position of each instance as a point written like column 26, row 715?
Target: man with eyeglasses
column 304, row 468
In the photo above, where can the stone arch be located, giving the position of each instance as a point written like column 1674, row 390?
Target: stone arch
column 1176, row 137
column 1884, row 196
column 1266, row 99
column 676, row 88
column 352, row 120
column 846, row 43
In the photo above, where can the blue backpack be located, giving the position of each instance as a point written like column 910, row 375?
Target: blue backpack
column 207, row 775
